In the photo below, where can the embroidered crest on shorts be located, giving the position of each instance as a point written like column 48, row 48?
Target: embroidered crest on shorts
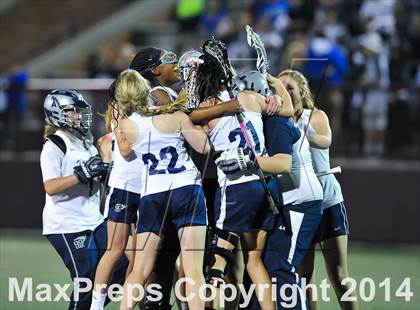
column 119, row 207
column 79, row 242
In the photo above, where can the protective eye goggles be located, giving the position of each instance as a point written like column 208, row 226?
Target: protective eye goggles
column 168, row 58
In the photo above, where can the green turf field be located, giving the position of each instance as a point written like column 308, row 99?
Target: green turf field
column 32, row 256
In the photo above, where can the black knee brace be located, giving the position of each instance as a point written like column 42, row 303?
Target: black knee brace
column 225, row 253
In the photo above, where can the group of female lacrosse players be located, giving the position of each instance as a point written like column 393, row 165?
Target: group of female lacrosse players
column 270, row 206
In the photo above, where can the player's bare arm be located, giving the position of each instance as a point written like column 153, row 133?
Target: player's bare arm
column 126, row 134
column 196, row 137
column 277, row 164
column 319, row 132
column 58, row 185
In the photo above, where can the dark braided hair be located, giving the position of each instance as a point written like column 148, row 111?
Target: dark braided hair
column 209, row 79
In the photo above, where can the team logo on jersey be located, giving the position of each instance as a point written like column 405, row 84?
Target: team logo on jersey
column 79, row 242
column 119, row 207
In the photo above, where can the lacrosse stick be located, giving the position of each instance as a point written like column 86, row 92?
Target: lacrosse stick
column 254, row 41
column 270, row 198
column 329, row 171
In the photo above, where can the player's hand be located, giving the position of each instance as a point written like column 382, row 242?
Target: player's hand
column 274, row 104
column 91, row 170
column 235, row 160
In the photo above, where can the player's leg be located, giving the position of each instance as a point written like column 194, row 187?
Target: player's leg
column 150, row 230
column 117, row 240
column 223, row 242
column 164, row 269
column 335, row 256
column 235, row 275
column 180, row 274
column 221, row 253
column 192, row 239
column 334, row 250
column 285, row 251
column 188, row 207
column 122, row 213
column 306, row 269
column 76, row 255
column 306, row 272
column 130, row 249
column 147, row 247
column 253, row 244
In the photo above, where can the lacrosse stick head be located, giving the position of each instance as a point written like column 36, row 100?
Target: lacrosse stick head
column 188, row 64
column 254, row 41
column 188, row 61
column 216, row 53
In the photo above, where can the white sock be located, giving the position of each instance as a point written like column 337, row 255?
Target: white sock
column 98, row 301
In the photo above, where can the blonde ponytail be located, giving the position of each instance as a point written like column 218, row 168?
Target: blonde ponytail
column 49, row 130
column 180, row 104
column 132, row 95
column 108, row 118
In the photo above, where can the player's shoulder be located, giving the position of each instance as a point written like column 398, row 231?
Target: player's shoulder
column 176, row 118
column 180, row 115
column 51, row 150
column 319, row 115
column 251, row 100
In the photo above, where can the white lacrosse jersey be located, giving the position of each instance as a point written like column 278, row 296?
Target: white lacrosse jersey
column 167, row 165
column 227, row 134
column 301, row 184
column 330, row 185
column 125, row 174
column 77, row 208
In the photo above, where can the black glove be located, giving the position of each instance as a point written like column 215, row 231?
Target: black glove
column 91, row 170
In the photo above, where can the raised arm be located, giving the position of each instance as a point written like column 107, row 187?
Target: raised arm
column 196, row 137
column 104, row 146
column 319, row 132
column 270, row 105
column 286, row 108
